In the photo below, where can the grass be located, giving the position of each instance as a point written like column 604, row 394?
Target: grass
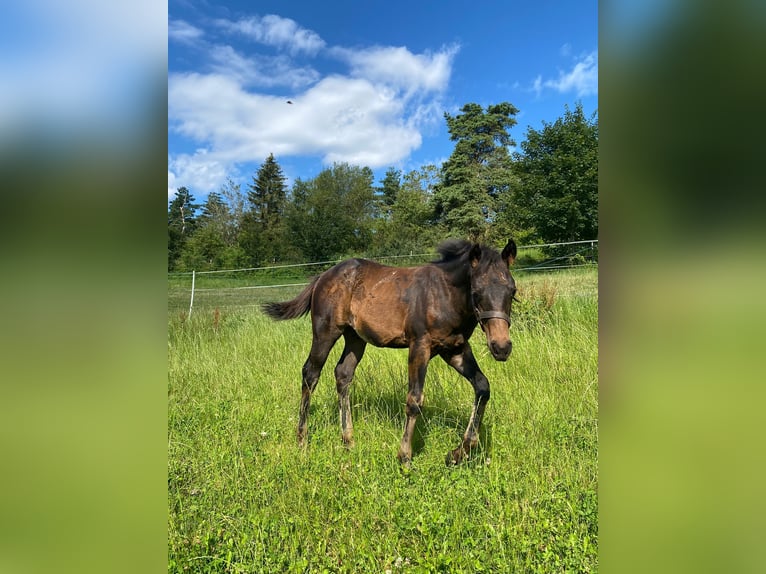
column 243, row 497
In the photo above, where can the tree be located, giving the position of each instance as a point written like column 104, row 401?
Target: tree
column 235, row 200
column 331, row 215
column 263, row 226
column 558, row 173
column 298, row 217
column 408, row 225
column 214, row 244
column 213, row 209
column 181, row 224
column 478, row 172
column 389, row 189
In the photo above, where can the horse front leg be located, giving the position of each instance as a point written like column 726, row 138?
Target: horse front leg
column 417, row 364
column 464, row 363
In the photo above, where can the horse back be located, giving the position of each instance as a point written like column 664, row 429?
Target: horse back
column 385, row 305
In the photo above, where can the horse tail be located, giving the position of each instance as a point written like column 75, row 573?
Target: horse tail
column 292, row 309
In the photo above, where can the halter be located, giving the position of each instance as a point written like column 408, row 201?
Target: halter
column 483, row 315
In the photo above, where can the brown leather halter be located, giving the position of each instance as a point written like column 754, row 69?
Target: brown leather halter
column 483, row 315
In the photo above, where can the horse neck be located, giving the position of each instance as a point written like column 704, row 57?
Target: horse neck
column 458, row 281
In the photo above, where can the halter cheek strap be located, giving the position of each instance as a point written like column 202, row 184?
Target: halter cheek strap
column 483, row 315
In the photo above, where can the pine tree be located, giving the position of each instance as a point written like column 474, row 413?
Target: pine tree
column 389, row 189
column 479, row 170
column 263, row 232
column 213, row 209
column 268, row 194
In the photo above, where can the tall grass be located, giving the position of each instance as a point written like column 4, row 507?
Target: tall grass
column 244, row 498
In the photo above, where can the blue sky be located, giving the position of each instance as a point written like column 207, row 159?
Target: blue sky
column 369, row 81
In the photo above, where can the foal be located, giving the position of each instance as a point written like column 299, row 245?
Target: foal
column 431, row 310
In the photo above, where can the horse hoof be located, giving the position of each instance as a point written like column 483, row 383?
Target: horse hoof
column 455, row 457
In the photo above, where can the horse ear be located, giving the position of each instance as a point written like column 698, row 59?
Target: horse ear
column 509, row 252
column 475, row 255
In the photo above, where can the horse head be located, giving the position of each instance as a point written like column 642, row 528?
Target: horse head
column 492, row 293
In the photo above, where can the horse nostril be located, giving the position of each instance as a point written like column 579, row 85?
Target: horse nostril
column 500, row 350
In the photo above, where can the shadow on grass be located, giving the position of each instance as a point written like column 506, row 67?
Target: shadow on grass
column 386, row 408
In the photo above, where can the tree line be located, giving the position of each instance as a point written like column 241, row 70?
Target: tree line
column 546, row 192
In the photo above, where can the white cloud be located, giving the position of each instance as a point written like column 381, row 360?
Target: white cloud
column 399, row 68
column 581, row 79
column 371, row 115
column 200, row 172
column 276, row 31
column 182, row 31
column 338, row 119
column 264, row 71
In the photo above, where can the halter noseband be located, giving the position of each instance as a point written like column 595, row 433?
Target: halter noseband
column 483, row 315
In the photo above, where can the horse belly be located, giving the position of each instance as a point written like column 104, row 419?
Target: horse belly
column 380, row 322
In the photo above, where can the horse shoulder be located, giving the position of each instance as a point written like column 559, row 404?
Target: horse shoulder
column 447, row 318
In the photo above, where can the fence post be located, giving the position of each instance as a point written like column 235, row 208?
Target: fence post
column 191, row 301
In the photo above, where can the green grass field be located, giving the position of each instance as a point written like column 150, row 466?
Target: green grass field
column 243, row 497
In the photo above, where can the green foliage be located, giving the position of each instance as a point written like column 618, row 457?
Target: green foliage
column 407, row 227
column 331, row 215
column 267, row 195
column 242, row 497
column 214, row 244
column 558, row 171
column 547, row 193
column 263, row 233
column 181, row 224
column 390, row 186
column 478, row 173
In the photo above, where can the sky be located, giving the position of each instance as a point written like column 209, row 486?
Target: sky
column 369, row 82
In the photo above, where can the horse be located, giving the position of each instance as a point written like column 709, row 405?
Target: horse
column 430, row 309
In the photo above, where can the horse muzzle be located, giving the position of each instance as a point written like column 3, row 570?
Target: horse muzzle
column 497, row 333
column 500, row 350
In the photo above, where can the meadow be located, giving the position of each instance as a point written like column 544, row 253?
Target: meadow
column 243, row 497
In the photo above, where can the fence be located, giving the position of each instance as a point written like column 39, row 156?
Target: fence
column 247, row 287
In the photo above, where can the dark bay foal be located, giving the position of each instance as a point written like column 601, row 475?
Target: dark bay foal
column 432, row 310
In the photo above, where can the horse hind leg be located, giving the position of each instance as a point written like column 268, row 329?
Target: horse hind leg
column 312, row 368
column 344, row 374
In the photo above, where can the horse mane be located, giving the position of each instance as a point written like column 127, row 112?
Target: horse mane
column 455, row 253
column 453, row 250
